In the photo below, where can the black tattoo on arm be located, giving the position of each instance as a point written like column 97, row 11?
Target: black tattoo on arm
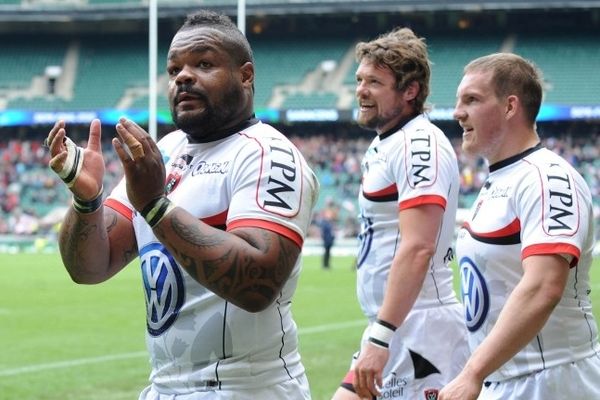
column 77, row 233
column 110, row 221
column 249, row 273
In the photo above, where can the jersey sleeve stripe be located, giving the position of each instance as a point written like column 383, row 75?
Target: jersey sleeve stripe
column 552, row 248
column 217, row 220
column 509, row 230
column 421, row 200
column 120, row 208
column 268, row 225
column 388, row 191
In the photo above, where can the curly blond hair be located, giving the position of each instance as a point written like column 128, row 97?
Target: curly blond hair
column 405, row 55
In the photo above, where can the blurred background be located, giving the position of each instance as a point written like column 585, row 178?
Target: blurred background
column 82, row 59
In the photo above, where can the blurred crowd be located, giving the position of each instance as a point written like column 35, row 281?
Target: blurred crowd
column 33, row 200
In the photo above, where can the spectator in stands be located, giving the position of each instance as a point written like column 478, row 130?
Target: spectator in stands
column 525, row 251
column 218, row 229
column 415, row 341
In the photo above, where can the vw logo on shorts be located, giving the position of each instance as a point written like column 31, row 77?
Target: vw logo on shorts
column 475, row 294
column 163, row 286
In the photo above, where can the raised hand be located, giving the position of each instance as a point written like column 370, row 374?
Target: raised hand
column 81, row 168
column 142, row 162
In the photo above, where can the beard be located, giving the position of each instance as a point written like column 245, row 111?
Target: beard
column 377, row 121
column 368, row 123
column 219, row 113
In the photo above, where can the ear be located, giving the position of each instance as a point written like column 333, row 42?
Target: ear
column 247, row 73
column 411, row 91
column 513, row 104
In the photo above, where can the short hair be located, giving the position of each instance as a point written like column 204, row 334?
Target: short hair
column 513, row 75
column 405, row 55
column 235, row 41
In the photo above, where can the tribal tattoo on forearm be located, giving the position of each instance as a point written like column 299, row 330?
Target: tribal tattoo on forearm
column 77, row 232
column 235, row 274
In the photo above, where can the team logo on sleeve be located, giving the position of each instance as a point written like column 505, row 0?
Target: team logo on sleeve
column 561, row 208
column 421, row 159
column 475, row 294
column 163, row 287
column 280, row 191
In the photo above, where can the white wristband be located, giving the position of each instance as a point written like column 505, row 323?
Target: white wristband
column 381, row 333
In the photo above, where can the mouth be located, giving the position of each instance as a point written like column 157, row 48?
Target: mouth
column 363, row 107
column 186, row 97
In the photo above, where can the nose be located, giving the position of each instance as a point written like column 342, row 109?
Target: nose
column 186, row 75
column 360, row 90
column 459, row 113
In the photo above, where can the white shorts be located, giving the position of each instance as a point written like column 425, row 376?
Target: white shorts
column 579, row 380
column 428, row 350
column 295, row 389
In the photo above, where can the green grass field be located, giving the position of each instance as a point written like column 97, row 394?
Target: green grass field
column 70, row 342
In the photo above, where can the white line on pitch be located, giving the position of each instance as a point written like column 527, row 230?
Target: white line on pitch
column 332, row 327
column 124, row 356
column 70, row 363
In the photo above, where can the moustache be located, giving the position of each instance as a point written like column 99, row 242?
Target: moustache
column 191, row 91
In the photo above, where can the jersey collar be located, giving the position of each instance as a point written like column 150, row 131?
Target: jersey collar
column 398, row 126
column 218, row 135
column 512, row 159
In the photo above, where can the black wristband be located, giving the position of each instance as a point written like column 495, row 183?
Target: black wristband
column 154, row 212
column 150, row 206
column 378, row 342
column 386, row 324
column 88, row 206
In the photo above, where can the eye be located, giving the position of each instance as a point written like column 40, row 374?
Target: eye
column 173, row 71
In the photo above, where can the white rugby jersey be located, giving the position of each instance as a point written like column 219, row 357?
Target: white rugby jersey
column 405, row 168
column 197, row 340
column 533, row 203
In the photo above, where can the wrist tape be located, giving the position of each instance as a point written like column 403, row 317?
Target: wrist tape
column 381, row 333
column 88, row 206
column 156, row 210
column 72, row 166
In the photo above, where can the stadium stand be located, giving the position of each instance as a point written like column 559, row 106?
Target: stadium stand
column 449, row 55
column 22, row 59
column 290, row 73
column 570, row 64
column 301, row 63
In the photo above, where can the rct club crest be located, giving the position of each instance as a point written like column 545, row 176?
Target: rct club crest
column 163, row 286
column 475, row 294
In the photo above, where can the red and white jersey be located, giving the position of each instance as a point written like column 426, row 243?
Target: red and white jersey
column 197, row 340
column 412, row 166
column 533, row 203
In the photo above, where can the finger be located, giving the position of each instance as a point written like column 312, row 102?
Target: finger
column 371, row 385
column 134, row 146
column 57, row 143
column 57, row 162
column 133, row 127
column 378, row 381
column 359, row 384
column 123, row 155
column 60, row 124
column 95, row 135
column 141, row 135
